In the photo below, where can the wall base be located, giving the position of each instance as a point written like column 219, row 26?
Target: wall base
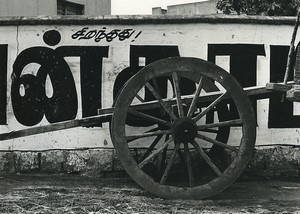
column 272, row 162
column 93, row 162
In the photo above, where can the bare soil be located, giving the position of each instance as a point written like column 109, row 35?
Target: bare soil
column 77, row 194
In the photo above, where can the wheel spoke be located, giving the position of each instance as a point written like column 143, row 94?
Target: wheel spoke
column 149, row 117
column 164, row 145
column 161, row 102
column 178, row 94
column 217, row 143
column 156, row 87
column 162, row 157
column 151, row 130
column 206, row 158
column 214, row 131
column 188, row 162
column 180, row 155
column 147, row 134
column 169, row 165
column 194, row 101
column 211, row 106
column 139, row 98
column 152, row 146
column 220, row 124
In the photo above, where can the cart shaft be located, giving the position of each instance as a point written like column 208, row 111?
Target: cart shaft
column 104, row 115
column 84, row 122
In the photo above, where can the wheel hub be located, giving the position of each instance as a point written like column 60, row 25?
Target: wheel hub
column 184, row 130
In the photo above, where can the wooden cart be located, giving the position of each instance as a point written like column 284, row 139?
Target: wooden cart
column 182, row 147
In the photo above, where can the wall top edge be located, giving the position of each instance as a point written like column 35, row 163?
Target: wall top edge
column 146, row 19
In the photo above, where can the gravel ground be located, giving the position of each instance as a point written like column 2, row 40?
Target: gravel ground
column 77, row 194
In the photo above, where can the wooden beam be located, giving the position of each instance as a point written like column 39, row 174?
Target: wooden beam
column 85, row 122
column 106, row 114
column 280, row 87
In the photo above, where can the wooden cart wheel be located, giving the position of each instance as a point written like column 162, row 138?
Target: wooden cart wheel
column 180, row 135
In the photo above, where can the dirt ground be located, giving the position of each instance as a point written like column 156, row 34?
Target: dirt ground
column 76, row 194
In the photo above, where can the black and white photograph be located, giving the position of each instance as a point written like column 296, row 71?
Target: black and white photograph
column 150, row 106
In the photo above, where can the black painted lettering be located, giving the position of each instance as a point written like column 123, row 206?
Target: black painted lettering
column 280, row 113
column 150, row 54
column 3, row 83
column 102, row 34
column 30, row 107
column 243, row 63
column 91, row 62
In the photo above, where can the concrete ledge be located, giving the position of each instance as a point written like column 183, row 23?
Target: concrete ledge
column 83, row 162
column 7, row 162
column 146, row 19
column 88, row 161
column 272, row 162
column 279, row 161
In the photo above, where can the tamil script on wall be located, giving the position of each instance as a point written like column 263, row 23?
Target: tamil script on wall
column 54, row 73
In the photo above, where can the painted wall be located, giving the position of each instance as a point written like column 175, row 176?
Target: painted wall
column 89, row 57
column 49, row 7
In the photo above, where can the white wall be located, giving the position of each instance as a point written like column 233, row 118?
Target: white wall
column 192, row 40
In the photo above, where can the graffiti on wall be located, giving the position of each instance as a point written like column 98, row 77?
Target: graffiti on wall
column 103, row 34
column 31, row 105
